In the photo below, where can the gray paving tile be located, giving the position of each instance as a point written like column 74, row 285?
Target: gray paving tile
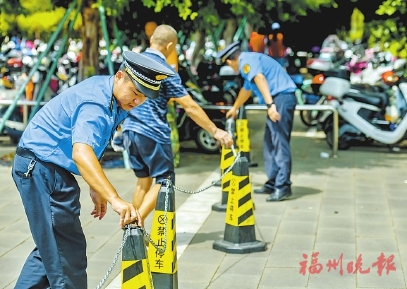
column 336, row 221
column 193, row 272
column 375, row 245
column 203, row 256
column 283, row 277
column 399, row 213
column 287, row 258
column 338, row 201
column 245, row 265
column 370, row 217
column 272, row 287
column 235, row 281
column 334, row 250
column 398, row 204
column 332, row 280
column 372, row 207
column 289, row 242
column 188, row 285
column 363, row 199
column 297, row 228
column 331, row 210
column 401, row 235
column 96, row 273
column 266, row 234
column 333, row 235
column 338, row 192
column 380, row 230
column 305, row 215
column 267, row 220
column 302, row 206
column 366, row 188
column 394, row 279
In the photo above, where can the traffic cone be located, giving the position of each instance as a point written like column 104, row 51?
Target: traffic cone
column 226, row 160
column 135, row 267
column 240, row 235
column 242, row 134
column 163, row 265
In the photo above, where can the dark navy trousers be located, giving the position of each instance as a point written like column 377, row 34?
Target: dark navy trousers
column 50, row 195
column 276, row 148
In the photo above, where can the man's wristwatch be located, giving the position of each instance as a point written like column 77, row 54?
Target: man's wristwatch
column 270, row 104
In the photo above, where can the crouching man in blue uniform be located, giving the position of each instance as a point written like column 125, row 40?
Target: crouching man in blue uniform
column 268, row 80
column 67, row 137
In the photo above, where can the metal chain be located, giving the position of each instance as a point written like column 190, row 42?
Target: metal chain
column 147, row 236
column 116, row 257
column 237, row 157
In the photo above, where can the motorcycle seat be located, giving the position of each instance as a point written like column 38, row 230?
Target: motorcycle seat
column 367, row 87
column 373, row 98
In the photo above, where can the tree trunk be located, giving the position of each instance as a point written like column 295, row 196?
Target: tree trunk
column 229, row 31
column 197, row 55
column 89, row 64
column 248, row 29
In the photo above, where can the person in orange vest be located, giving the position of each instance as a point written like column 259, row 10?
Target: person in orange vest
column 275, row 46
column 257, row 42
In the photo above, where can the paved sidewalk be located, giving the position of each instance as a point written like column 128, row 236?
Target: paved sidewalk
column 347, row 210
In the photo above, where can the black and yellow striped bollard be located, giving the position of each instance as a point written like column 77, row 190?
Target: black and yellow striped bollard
column 135, row 272
column 163, row 265
column 240, row 235
column 227, row 159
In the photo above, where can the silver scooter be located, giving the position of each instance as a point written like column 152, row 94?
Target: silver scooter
column 365, row 117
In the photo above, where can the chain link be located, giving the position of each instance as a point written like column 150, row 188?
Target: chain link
column 237, row 157
column 146, row 235
column 116, row 257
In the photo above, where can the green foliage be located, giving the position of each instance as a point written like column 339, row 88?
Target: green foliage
column 31, row 6
column 6, row 23
column 390, row 7
column 390, row 34
column 207, row 14
column 357, row 25
column 33, row 18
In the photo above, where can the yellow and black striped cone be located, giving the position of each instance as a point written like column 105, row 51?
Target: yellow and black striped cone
column 163, row 265
column 240, row 236
column 242, row 135
column 135, row 266
column 226, row 160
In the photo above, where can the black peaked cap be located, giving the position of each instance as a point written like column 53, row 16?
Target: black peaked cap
column 146, row 73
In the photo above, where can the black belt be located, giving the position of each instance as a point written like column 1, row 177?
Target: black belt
column 25, row 153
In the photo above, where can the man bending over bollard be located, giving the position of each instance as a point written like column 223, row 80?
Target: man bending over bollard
column 268, row 79
column 67, row 137
column 146, row 133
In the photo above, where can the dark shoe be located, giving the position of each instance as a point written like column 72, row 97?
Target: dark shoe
column 280, row 194
column 263, row 190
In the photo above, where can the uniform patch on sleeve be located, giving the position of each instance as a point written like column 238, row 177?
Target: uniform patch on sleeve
column 246, row 68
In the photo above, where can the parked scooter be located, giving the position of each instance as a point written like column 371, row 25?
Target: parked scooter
column 367, row 117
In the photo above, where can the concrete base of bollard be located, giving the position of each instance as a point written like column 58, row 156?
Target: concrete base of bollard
column 242, row 248
column 219, row 207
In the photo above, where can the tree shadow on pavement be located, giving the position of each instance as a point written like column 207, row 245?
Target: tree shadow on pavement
column 205, row 237
column 299, row 192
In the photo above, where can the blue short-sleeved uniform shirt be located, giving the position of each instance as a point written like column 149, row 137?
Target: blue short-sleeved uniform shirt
column 150, row 119
column 253, row 63
column 85, row 113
